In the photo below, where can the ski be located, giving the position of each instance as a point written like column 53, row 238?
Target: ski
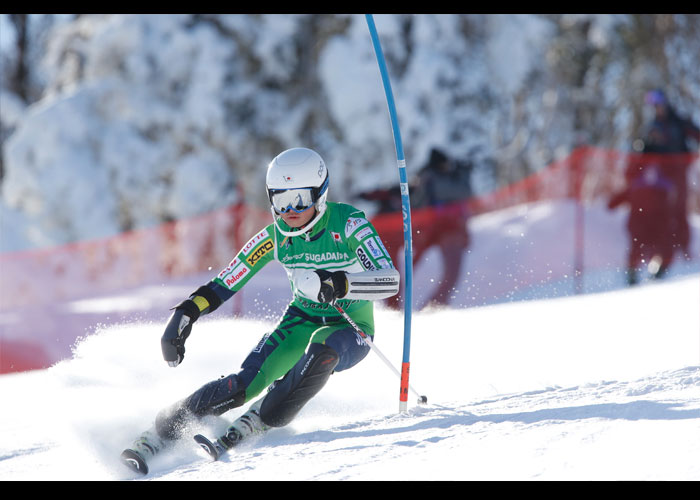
column 248, row 424
column 215, row 450
column 234, row 435
column 134, row 461
column 135, row 458
column 147, row 445
column 150, row 444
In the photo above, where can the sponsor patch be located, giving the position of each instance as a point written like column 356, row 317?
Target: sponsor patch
column 263, row 341
column 373, row 248
column 265, row 247
column 364, row 259
column 316, row 257
column 229, row 268
column 237, row 274
column 353, row 223
column 254, row 241
column 363, row 233
column 381, row 245
column 384, row 264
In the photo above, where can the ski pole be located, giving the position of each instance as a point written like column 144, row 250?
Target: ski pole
column 421, row 399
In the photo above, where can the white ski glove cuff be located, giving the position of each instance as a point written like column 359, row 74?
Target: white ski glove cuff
column 373, row 285
column 367, row 285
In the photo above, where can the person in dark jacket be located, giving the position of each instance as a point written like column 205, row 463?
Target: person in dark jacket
column 439, row 217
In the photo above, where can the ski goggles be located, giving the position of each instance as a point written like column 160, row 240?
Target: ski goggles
column 296, row 200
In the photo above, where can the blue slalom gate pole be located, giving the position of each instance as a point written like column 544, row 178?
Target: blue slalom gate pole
column 406, row 210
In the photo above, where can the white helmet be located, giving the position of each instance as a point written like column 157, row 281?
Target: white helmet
column 297, row 180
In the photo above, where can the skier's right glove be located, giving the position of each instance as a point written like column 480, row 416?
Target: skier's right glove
column 178, row 329
column 323, row 286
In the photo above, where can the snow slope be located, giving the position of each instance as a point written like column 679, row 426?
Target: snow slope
column 604, row 386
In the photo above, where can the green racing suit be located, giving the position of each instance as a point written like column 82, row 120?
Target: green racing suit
column 343, row 240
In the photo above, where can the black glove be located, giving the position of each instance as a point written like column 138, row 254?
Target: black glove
column 177, row 330
column 333, row 285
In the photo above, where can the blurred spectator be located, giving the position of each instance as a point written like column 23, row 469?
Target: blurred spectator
column 649, row 195
column 438, row 216
column 388, row 200
column 669, row 133
column 656, row 191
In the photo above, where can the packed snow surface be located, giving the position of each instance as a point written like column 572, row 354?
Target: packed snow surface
column 603, row 386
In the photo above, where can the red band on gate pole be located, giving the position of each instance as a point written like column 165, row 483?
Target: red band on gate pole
column 403, row 395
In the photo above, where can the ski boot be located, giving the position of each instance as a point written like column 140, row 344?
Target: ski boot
column 246, row 425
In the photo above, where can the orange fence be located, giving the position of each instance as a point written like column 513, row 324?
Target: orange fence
column 133, row 258
column 36, row 285
column 34, row 282
column 587, row 174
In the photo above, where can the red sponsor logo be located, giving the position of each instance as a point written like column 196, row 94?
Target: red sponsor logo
column 229, row 268
column 236, row 276
column 254, row 241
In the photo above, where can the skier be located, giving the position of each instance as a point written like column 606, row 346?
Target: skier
column 330, row 252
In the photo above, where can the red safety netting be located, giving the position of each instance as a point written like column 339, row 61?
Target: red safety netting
column 143, row 256
column 587, row 174
column 34, row 280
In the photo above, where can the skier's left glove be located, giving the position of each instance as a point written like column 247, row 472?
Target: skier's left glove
column 177, row 330
column 323, row 286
